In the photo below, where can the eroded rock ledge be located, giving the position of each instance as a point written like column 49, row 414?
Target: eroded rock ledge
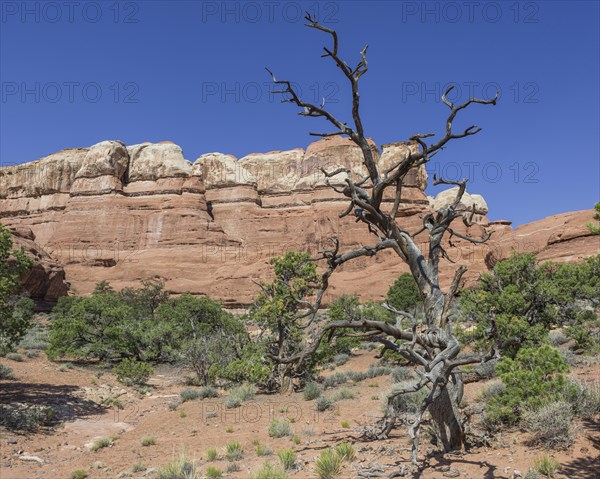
column 126, row 213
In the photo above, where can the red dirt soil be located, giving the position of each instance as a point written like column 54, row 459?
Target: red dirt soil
column 75, row 393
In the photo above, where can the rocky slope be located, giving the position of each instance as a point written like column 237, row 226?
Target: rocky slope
column 126, row 213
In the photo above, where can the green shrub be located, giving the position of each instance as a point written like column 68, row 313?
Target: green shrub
column 376, row 371
column 335, row 379
column 213, row 472
column 323, row 403
column 148, row 441
column 26, row 419
column 584, row 398
column 533, row 377
column 581, row 335
column 312, row 391
column 328, row 464
column 189, row 395
column 208, row 392
column 211, row 454
column 15, row 316
column 113, row 401
column 133, row 372
column 486, row 370
column 356, row 376
column 234, row 451
column 532, row 474
column 491, row 390
column 346, row 451
column 276, row 309
column 404, row 294
column 250, row 366
column 557, row 337
column 546, row 465
column 401, row 373
column 180, row 468
column 101, row 443
column 15, row 357
column 138, row 467
column 528, row 299
column 280, row 427
column 148, row 325
column 551, row 424
column 410, row 402
column 341, row 359
column 287, row 457
column 262, row 450
column 269, row 471
column 238, row 395
column 79, row 474
column 6, row 372
column 344, row 393
column 296, row 440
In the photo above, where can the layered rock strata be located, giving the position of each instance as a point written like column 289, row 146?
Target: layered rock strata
column 126, row 213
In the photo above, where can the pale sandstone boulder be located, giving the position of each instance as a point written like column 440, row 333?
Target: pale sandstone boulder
column 219, row 170
column 151, row 161
column 275, row 171
column 52, row 174
column 330, row 154
column 446, row 198
column 392, row 153
column 107, row 158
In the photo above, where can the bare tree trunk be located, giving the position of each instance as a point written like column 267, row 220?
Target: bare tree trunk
column 285, row 379
column 431, row 346
column 448, row 420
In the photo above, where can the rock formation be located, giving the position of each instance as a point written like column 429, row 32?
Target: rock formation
column 45, row 280
column 123, row 214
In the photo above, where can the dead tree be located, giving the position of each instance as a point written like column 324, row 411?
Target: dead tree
column 435, row 350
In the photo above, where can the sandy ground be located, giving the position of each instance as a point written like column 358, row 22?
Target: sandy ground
column 75, row 394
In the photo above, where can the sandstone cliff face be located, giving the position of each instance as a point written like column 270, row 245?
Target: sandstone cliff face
column 124, row 214
column 45, row 281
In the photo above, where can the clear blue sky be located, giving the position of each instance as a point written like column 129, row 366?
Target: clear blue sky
column 73, row 74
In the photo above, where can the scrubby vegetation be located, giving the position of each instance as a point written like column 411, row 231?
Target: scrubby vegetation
column 328, row 464
column 180, row 468
column 529, row 299
column 240, row 394
column 234, row 451
column 148, row 441
column 133, row 372
column 287, row 457
column 404, row 294
column 6, row 372
column 545, row 465
column 535, row 376
column 26, row 419
column 270, row 471
column 543, row 315
column 280, row 428
column 312, row 391
column 15, row 311
column 551, row 424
